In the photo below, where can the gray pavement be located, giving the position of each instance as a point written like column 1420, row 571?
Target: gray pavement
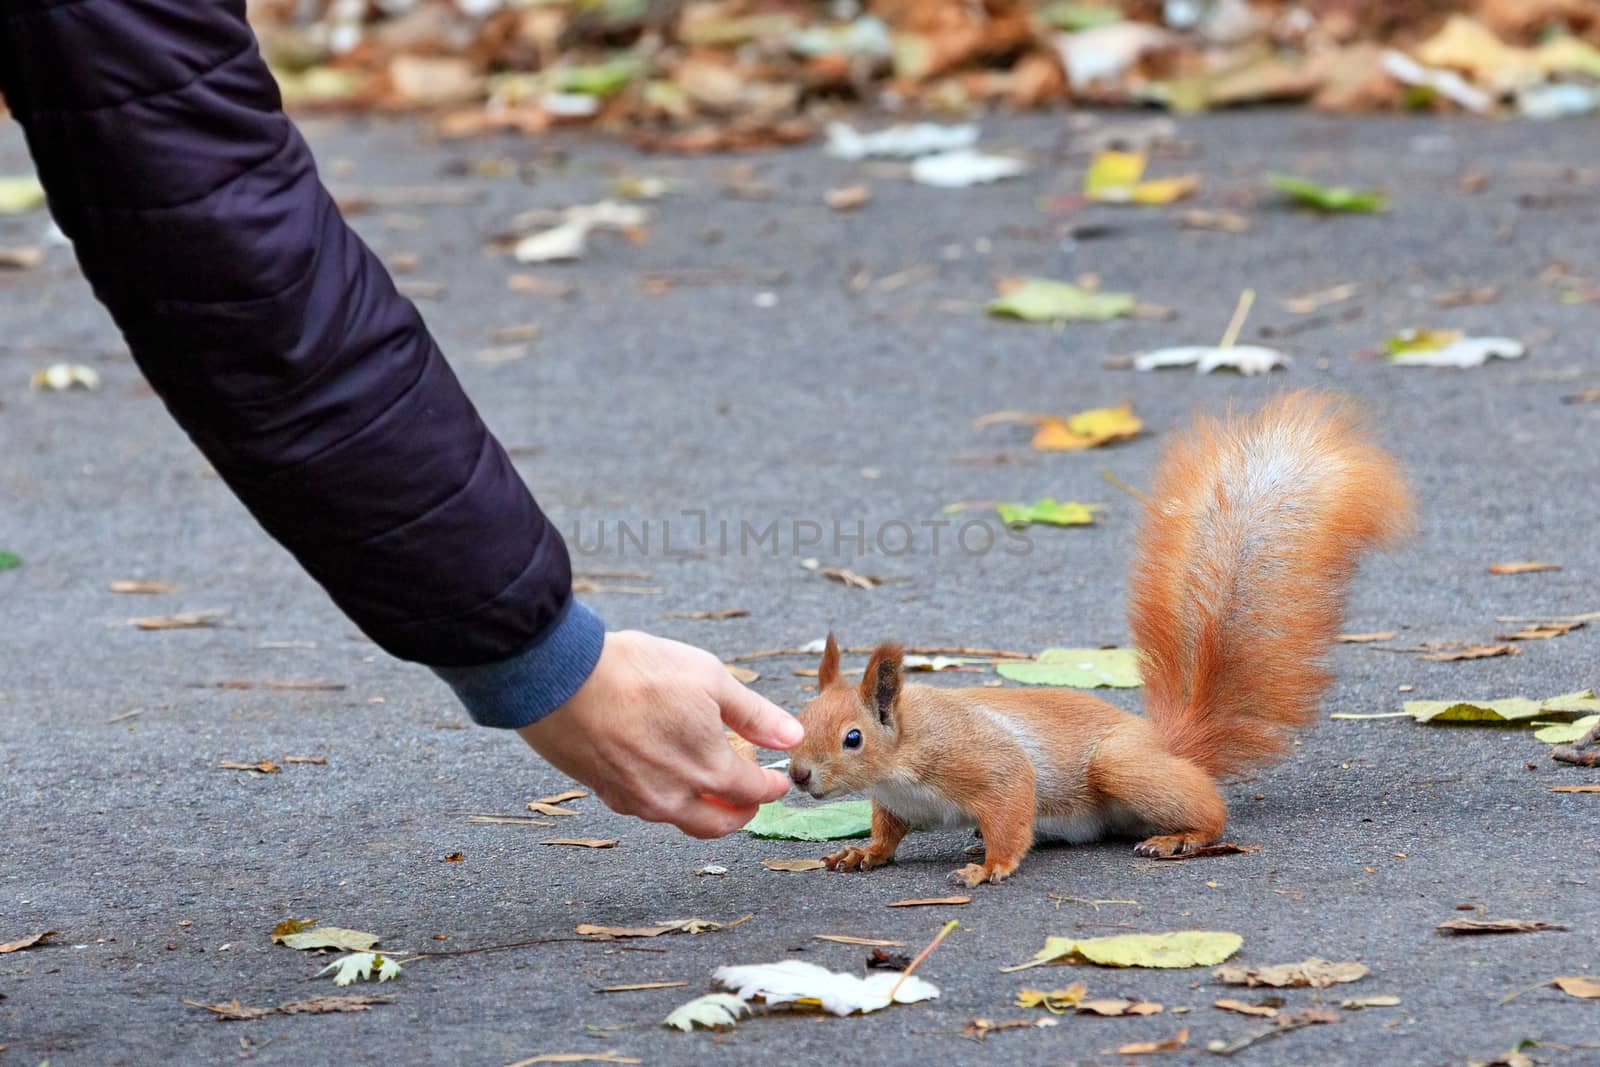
column 163, row 874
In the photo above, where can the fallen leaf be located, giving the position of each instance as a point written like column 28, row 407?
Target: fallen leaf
column 1487, row 294
column 328, row 937
column 1566, row 733
column 1465, row 927
column 1309, row 302
column 290, row 926
column 930, row 902
column 611, row 1056
column 1471, row 652
column 26, row 942
column 671, row 926
column 793, row 866
column 361, row 966
column 1141, row 1048
column 1055, row 1001
column 1265, row 1011
column 719, row 614
column 1284, row 1023
column 846, row 576
column 898, row 142
column 712, row 869
column 562, row 797
column 1359, row 1003
column 837, row 821
column 1313, row 972
column 264, row 766
column 1329, row 198
column 741, row 673
column 25, row 257
column 569, row 239
column 454, row 857
column 1248, row 360
column 232, row 1010
column 847, row 198
column 318, row 761
column 1379, row 635
column 277, row 684
column 964, row 168
column 583, row 842
column 979, row 1029
column 1578, row 986
column 1224, row 848
column 9, row 561
column 544, row 808
column 1080, row 668
column 1087, row 429
column 507, row 820
column 1118, row 1007
column 1047, row 300
column 1183, row 948
column 1520, row 711
column 714, row 1011
column 20, row 193
column 846, row 939
column 879, row 960
column 1221, row 221
column 532, row 283
column 1449, row 348
column 1048, row 511
column 1114, row 177
column 796, row 981
column 1575, row 789
column 60, row 377
column 1540, row 631
column 1525, row 567
column 637, row 987
column 187, row 620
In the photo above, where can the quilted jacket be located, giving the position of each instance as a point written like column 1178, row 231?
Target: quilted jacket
column 278, row 341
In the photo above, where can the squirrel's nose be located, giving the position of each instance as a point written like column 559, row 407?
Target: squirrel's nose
column 799, row 775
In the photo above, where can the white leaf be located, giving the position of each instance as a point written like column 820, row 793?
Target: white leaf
column 841, row 994
column 1446, row 83
column 711, row 1011
column 570, row 105
column 1465, row 352
column 62, row 376
column 964, row 167
column 359, row 965
column 566, row 241
column 1246, row 359
column 898, row 142
column 1102, row 53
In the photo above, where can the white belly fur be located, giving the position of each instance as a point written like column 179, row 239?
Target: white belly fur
column 925, row 808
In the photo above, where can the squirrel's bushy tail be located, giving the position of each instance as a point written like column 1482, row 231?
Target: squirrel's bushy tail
column 1251, row 533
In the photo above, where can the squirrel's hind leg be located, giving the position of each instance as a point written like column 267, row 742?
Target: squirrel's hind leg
column 1159, row 793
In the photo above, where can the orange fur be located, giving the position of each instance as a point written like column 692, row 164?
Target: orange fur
column 1250, row 535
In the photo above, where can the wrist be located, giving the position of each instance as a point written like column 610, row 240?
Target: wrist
column 518, row 692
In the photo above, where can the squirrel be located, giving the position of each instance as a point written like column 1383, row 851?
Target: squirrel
column 1250, row 535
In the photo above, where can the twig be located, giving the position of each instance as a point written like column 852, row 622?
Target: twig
column 537, row 941
column 1582, row 753
column 1589, row 616
column 866, row 650
column 1095, row 904
column 125, row 716
column 1241, row 312
column 1137, row 494
column 924, row 954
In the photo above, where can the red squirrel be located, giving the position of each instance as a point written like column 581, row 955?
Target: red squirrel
column 1250, row 535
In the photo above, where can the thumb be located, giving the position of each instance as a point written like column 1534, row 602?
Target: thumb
column 755, row 718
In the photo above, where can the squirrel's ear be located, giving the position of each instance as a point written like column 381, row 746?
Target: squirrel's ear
column 880, row 686
column 828, row 671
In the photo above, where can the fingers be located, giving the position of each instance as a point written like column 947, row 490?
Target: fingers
column 756, row 718
column 707, row 818
column 740, row 782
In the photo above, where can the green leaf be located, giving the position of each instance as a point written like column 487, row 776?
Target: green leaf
column 1332, row 198
column 20, row 193
column 1074, row 17
column 1047, row 300
column 1519, row 710
column 825, row 822
column 1181, row 948
column 1081, row 668
column 1582, row 702
column 598, row 79
column 9, row 561
column 1048, row 511
column 329, row 937
column 1565, row 733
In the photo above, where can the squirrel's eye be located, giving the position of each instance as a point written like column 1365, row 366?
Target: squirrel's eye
column 852, row 739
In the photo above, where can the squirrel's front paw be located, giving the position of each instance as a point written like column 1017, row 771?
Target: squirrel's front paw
column 975, row 874
column 853, row 858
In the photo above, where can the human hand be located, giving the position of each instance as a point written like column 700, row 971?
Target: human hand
column 645, row 732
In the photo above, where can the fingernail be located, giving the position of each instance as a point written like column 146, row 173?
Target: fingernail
column 790, row 731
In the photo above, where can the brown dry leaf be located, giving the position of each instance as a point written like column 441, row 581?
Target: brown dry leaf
column 508, row 820
column 233, row 1011
column 1141, row 1048
column 1487, row 294
column 871, row 942
column 742, row 673
column 290, row 926
column 848, row 198
column 793, row 866
column 1377, row 635
column 584, row 842
column 718, row 615
column 1463, row 927
column 1523, row 567
column 611, row 1056
column 1313, row 972
column 187, row 620
column 1540, row 631
column 550, row 809
column 1265, row 1011
column 511, row 334
column 25, row 257
column 1381, row 1001
column 846, row 576
column 1285, row 1021
column 637, row 987
column 1118, row 1007
column 1578, row 986
column 318, row 761
column 454, row 857
column 263, row 766
column 1472, row 652
column 978, row 1029
column 1222, row 221
column 742, row 748
column 924, row 902
column 1575, row 789
column 1223, row 848
column 671, row 926
column 139, row 587
column 1309, row 302
column 537, row 286
column 562, row 797
column 25, row 942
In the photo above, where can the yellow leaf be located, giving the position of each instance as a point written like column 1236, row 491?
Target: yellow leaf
column 1181, row 948
column 1165, row 190
column 1087, row 429
column 1112, row 173
column 1055, row 1001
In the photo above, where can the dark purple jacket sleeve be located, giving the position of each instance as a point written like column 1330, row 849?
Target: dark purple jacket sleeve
column 278, row 341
